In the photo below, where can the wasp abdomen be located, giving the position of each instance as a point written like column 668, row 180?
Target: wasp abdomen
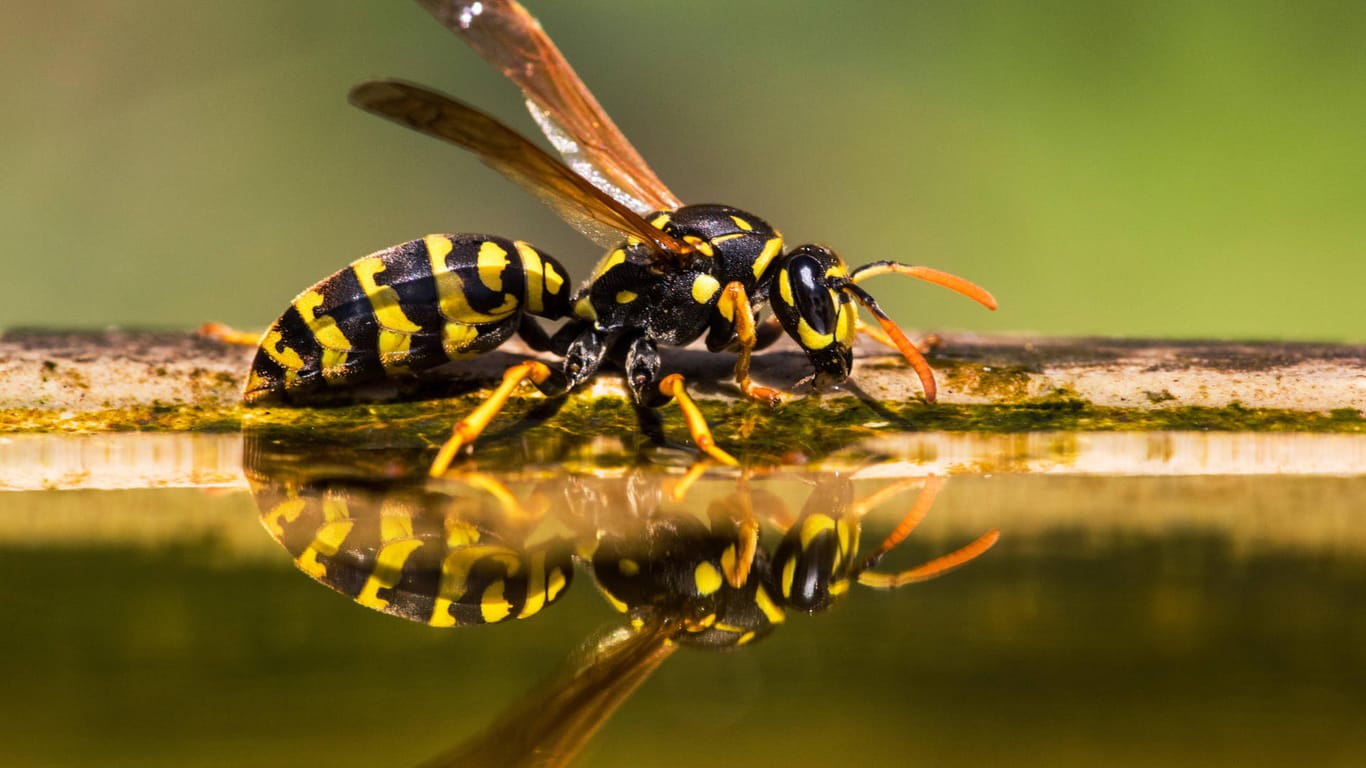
column 404, row 310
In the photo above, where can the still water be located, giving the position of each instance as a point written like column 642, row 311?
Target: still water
column 1169, row 599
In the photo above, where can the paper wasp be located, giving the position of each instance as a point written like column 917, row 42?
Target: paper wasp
column 673, row 273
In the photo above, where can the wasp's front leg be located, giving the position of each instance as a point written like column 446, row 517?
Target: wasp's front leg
column 736, row 324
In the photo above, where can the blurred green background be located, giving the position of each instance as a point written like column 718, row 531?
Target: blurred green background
column 1172, row 168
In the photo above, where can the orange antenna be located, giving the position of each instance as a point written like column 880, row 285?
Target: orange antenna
column 953, row 282
column 936, row 567
column 903, row 344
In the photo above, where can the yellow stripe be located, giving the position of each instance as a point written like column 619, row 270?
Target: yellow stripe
column 492, row 605
column 450, row 290
column 617, row 604
column 727, row 238
column 742, row 224
column 703, row 247
column 846, row 323
column 554, row 584
column 706, row 577
column 286, row 511
column 810, row 338
column 583, row 308
column 554, row 281
column 771, row 610
column 326, row 541
column 441, row 613
column 814, row 526
column 286, row 357
column 626, row 297
column 458, row 332
column 535, row 271
column 535, row 587
column 771, row 249
column 492, row 260
column 388, row 570
column 455, row 569
column 395, row 329
column 609, row 261
column 334, row 343
column 395, row 521
column 659, row 221
column 704, row 287
column 460, row 534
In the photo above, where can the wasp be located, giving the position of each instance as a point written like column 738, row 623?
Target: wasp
column 469, row 551
column 472, row 552
column 673, row 273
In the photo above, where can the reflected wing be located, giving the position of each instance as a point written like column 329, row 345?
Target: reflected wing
column 587, row 208
column 510, row 39
column 550, row 725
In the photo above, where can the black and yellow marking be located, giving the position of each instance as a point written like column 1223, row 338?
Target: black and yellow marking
column 403, row 552
column 403, row 310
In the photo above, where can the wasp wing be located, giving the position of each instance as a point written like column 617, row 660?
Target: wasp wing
column 510, row 38
column 576, row 200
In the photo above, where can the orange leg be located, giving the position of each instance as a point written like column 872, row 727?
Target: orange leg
column 740, row 562
column 734, row 305
column 470, row 427
column 228, row 334
column 672, row 385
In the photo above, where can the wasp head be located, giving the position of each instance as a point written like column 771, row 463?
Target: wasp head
column 810, row 298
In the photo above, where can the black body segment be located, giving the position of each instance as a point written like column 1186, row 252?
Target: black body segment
column 402, row 552
column 404, row 310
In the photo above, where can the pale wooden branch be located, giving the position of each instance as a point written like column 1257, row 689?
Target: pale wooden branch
column 78, row 372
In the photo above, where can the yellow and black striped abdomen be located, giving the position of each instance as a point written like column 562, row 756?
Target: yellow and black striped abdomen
column 400, row 552
column 404, row 310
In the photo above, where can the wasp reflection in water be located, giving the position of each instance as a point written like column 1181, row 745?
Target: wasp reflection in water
column 470, row 550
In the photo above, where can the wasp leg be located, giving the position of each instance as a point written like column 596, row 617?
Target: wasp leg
column 470, row 427
column 642, row 366
column 672, row 386
column 228, row 334
column 735, row 308
column 747, row 533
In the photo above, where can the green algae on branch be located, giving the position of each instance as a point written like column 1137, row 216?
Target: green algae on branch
column 752, row 431
column 120, row 381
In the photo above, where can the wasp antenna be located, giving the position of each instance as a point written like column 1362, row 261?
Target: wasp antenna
column 953, row 282
column 919, row 509
column 899, row 340
column 936, row 567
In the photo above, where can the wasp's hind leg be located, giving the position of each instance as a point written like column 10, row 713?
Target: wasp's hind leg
column 642, row 377
column 228, row 334
column 550, row 381
column 582, row 358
